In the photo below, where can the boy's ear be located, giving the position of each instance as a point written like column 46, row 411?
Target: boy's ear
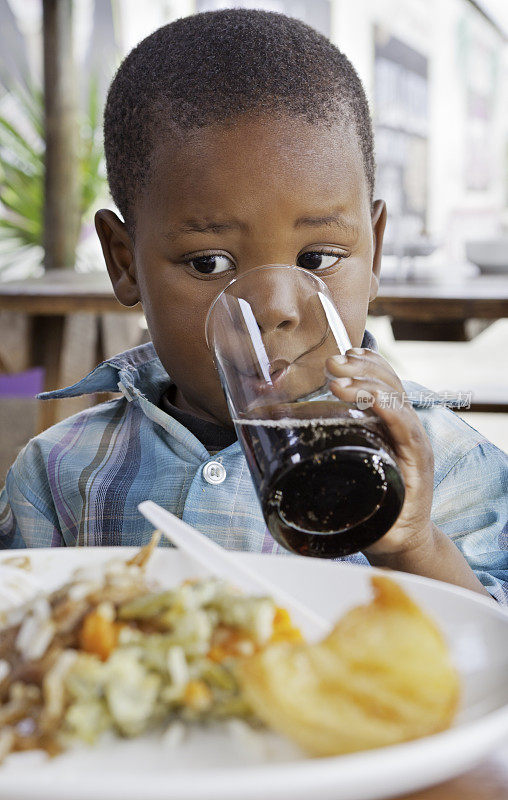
column 378, row 230
column 118, row 248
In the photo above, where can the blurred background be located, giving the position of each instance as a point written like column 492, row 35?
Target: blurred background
column 436, row 74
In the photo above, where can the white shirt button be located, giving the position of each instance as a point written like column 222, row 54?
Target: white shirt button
column 214, row 472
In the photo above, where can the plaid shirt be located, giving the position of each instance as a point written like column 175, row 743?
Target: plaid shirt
column 80, row 482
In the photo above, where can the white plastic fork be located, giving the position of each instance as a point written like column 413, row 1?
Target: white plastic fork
column 225, row 564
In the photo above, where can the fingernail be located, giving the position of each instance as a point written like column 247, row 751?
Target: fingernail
column 357, row 351
column 339, row 359
column 343, row 381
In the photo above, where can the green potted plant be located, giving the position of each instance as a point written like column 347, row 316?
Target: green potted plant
column 22, row 177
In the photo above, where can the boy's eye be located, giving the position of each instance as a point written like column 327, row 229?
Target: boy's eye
column 316, row 260
column 210, row 265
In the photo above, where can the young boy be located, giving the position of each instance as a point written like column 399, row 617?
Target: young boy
column 235, row 139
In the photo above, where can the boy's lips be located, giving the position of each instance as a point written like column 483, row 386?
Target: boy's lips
column 278, row 368
column 277, row 372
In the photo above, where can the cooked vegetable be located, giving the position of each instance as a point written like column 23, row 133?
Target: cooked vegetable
column 110, row 652
column 99, row 633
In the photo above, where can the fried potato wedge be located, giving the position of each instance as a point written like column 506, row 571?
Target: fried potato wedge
column 383, row 675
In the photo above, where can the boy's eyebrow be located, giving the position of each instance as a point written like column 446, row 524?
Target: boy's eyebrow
column 335, row 219
column 205, row 226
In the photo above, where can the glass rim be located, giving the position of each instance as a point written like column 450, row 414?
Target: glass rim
column 258, row 269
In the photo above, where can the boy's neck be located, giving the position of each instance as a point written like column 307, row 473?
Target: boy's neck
column 176, row 398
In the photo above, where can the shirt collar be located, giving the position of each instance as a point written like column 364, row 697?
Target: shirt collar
column 135, row 372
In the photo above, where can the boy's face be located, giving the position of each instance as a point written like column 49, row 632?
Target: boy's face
column 235, row 197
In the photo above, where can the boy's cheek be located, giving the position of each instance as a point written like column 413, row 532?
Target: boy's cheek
column 189, row 363
column 350, row 289
column 354, row 317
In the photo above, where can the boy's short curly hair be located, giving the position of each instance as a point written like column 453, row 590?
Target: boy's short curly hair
column 213, row 66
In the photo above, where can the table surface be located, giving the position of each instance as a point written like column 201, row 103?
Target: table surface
column 482, row 297
column 65, row 291
column 62, row 292
column 487, row 781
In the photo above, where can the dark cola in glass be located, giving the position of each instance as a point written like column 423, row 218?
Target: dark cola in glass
column 327, row 487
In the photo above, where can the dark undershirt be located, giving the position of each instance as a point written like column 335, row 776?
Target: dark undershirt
column 216, row 437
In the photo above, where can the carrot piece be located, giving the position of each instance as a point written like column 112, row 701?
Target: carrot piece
column 283, row 628
column 227, row 642
column 198, row 696
column 217, row 654
column 98, row 635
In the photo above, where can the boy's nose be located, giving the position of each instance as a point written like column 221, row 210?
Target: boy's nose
column 274, row 316
column 273, row 300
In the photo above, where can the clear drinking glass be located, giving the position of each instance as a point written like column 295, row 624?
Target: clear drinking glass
column 324, row 470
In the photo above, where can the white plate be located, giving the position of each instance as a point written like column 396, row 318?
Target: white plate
column 210, row 765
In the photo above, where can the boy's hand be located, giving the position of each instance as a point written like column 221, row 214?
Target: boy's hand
column 365, row 370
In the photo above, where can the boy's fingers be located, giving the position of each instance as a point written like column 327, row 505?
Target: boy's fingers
column 363, row 363
column 393, row 408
